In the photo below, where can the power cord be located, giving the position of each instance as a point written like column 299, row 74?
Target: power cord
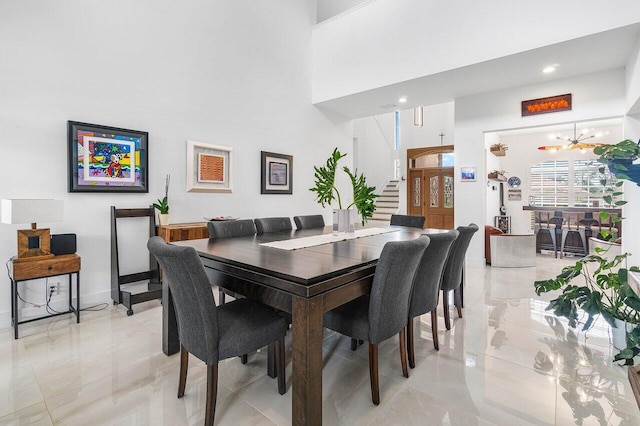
column 26, row 302
column 50, row 310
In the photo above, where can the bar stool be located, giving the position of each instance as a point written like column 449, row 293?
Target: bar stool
column 588, row 222
column 543, row 225
column 573, row 227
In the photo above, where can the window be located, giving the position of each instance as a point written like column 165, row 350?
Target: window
column 396, row 142
column 562, row 183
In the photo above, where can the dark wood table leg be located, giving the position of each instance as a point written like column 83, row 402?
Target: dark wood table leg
column 170, row 340
column 307, row 361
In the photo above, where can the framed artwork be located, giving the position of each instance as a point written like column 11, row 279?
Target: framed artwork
column 107, row 159
column 468, row 173
column 546, row 105
column 276, row 173
column 514, row 195
column 209, row 167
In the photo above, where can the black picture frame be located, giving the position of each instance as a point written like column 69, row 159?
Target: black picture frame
column 100, row 157
column 276, row 173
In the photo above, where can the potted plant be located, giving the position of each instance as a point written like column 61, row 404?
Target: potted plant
column 163, row 204
column 601, row 284
column 326, row 193
column 619, row 159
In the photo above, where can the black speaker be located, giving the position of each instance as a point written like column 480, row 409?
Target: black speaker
column 63, row 244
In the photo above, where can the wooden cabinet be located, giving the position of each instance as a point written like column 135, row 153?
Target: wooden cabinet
column 183, row 231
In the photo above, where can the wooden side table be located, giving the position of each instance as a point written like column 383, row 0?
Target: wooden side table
column 67, row 264
column 183, row 231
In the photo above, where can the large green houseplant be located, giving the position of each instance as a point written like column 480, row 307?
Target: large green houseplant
column 596, row 284
column 326, row 192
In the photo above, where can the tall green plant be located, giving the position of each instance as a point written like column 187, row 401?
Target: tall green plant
column 602, row 286
column 326, row 192
column 163, row 204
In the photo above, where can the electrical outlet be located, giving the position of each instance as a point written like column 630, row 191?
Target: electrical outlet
column 54, row 288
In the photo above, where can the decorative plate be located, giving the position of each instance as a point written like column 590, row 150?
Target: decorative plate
column 217, row 218
column 514, row 181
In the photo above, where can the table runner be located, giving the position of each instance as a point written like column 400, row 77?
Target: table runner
column 316, row 240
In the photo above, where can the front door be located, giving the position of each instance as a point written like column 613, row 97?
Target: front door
column 431, row 195
column 430, row 189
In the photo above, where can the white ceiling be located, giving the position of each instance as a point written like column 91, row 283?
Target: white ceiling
column 585, row 55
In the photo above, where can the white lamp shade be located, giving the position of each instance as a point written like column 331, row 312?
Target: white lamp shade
column 17, row 211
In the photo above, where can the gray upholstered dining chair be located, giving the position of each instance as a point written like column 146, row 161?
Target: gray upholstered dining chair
column 426, row 287
column 230, row 229
column 213, row 333
column 452, row 275
column 380, row 315
column 309, row 222
column 272, row 224
column 404, row 220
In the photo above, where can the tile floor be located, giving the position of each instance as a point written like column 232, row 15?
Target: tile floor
column 507, row 362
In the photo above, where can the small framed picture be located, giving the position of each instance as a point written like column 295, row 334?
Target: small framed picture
column 468, row 173
column 107, row 159
column 209, row 167
column 276, row 173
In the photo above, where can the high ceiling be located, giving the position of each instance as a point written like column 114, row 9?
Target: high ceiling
column 598, row 52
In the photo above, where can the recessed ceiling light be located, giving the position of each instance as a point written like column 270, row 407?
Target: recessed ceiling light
column 402, row 99
column 549, row 69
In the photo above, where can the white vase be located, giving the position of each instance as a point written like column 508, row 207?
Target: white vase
column 344, row 221
column 163, row 219
column 619, row 333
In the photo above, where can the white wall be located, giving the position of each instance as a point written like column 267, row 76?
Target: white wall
column 329, row 8
column 632, row 70
column 493, row 187
column 594, row 96
column 391, row 41
column 229, row 73
column 376, row 138
column 631, row 223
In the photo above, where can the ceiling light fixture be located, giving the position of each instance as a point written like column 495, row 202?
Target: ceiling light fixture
column 549, row 69
column 577, row 142
column 402, row 99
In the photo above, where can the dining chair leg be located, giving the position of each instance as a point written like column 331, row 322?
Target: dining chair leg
column 184, row 366
column 457, row 294
column 212, row 394
column 410, row 348
column 271, row 361
column 280, row 367
column 373, row 373
column 434, row 329
column 445, row 307
column 354, row 344
column 402, row 337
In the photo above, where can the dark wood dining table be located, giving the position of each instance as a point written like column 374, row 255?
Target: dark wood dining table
column 306, row 282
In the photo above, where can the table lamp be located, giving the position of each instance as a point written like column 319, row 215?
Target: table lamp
column 33, row 244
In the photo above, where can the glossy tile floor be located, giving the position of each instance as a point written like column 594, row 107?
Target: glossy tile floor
column 507, row 362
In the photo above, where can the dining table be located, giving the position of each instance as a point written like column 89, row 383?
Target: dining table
column 305, row 282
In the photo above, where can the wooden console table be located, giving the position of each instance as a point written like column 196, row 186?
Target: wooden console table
column 67, row 264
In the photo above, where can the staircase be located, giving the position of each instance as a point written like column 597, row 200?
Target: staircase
column 388, row 202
